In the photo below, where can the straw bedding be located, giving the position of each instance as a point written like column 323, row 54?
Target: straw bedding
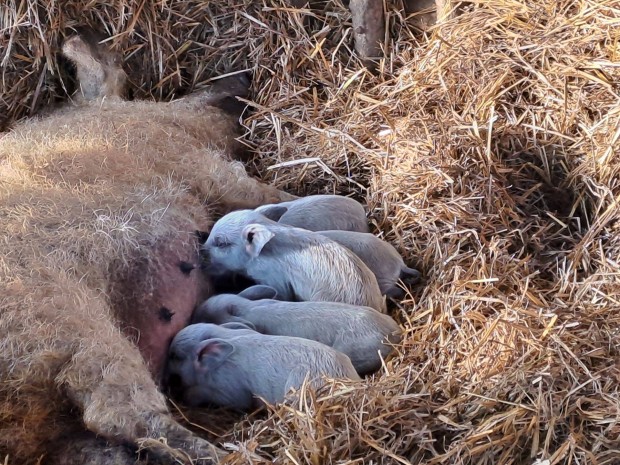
column 487, row 151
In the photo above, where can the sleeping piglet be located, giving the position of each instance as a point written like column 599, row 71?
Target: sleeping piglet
column 358, row 332
column 300, row 265
column 319, row 213
column 231, row 367
column 381, row 257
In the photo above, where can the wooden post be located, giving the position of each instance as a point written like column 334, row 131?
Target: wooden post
column 368, row 27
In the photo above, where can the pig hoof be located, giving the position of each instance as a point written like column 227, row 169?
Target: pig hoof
column 245, row 79
column 237, row 85
column 224, row 92
column 158, row 452
column 169, row 442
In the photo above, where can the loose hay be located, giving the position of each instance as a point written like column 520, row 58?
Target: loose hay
column 488, row 153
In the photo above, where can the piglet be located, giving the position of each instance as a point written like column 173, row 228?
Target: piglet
column 358, row 332
column 381, row 257
column 319, row 213
column 301, row 265
column 231, row 367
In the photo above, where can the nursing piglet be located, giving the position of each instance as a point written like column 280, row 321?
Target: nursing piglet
column 319, row 213
column 211, row 364
column 381, row 257
column 300, row 265
column 358, row 332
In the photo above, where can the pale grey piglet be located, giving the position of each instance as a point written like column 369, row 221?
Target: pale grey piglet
column 231, row 225
column 361, row 333
column 211, row 364
column 319, row 213
column 381, row 257
column 299, row 264
column 224, row 233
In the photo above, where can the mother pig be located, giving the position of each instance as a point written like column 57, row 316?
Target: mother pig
column 99, row 202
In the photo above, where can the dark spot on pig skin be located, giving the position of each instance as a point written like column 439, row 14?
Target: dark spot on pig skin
column 165, row 314
column 230, row 105
column 186, row 267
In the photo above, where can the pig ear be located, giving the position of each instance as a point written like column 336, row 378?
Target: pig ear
column 213, row 352
column 239, row 323
column 273, row 212
column 258, row 292
column 255, row 237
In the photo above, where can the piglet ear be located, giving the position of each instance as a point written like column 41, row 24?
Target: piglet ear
column 213, row 352
column 255, row 237
column 273, row 212
column 258, row 292
column 239, row 323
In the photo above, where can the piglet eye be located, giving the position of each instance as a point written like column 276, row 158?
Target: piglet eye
column 221, row 242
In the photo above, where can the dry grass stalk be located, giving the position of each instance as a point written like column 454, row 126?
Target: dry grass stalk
column 488, row 152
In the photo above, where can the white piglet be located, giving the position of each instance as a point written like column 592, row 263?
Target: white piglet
column 381, row 257
column 209, row 364
column 319, row 213
column 361, row 333
column 301, row 265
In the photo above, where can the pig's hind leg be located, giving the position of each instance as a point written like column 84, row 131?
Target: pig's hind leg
column 79, row 448
column 99, row 70
column 227, row 184
column 108, row 380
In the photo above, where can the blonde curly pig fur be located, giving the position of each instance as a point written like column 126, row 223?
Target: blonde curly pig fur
column 99, row 202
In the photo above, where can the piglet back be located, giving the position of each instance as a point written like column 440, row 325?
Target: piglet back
column 323, row 212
